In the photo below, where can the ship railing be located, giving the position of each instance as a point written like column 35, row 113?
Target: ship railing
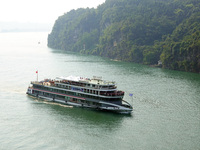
column 108, row 87
column 127, row 104
column 36, row 82
column 46, row 83
column 118, row 93
column 85, row 85
column 113, row 87
column 71, row 83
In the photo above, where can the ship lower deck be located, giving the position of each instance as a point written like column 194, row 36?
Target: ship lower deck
column 81, row 102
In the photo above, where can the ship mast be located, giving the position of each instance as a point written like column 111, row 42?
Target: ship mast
column 37, row 74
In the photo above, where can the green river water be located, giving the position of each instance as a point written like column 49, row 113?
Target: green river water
column 166, row 103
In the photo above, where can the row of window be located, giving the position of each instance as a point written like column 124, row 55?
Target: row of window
column 76, row 100
column 77, row 89
column 68, row 85
column 75, row 93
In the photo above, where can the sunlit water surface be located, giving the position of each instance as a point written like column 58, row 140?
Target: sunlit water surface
column 166, row 103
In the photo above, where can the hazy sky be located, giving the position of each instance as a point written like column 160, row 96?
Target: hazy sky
column 40, row 11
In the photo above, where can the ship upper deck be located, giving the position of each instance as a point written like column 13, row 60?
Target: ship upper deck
column 85, row 85
column 95, row 80
column 95, row 83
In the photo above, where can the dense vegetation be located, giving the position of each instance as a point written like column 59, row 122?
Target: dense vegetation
column 142, row 31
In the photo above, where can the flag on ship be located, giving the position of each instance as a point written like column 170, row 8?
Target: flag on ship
column 37, row 74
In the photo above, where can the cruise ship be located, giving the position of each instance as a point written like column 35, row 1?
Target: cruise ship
column 92, row 93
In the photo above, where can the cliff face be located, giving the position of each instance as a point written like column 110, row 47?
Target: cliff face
column 142, row 31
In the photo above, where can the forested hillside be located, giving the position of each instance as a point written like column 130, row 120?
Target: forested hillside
column 142, row 31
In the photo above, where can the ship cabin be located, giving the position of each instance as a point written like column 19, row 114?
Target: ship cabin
column 90, row 89
column 95, row 86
